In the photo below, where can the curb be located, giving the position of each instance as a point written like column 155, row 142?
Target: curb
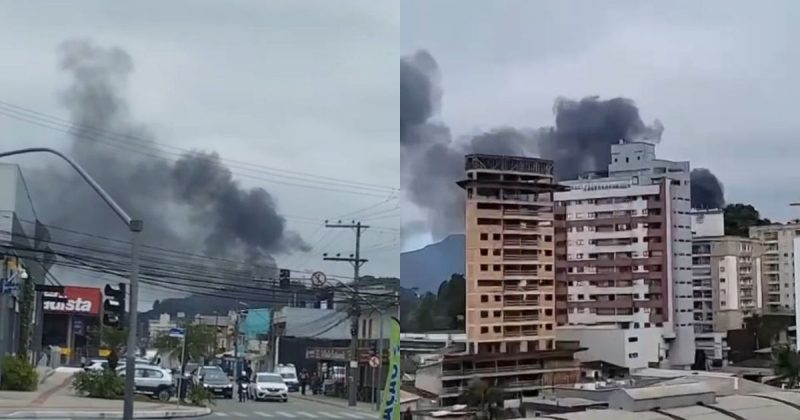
column 145, row 414
column 333, row 404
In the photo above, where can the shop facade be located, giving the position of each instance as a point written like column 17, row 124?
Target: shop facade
column 71, row 322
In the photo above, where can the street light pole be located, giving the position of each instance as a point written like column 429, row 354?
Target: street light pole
column 135, row 226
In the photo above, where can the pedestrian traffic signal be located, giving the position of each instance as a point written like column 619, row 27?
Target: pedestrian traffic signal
column 114, row 306
column 284, row 278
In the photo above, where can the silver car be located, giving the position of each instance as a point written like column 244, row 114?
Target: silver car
column 152, row 380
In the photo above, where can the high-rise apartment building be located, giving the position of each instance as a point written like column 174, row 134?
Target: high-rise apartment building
column 510, row 254
column 726, row 276
column 625, row 260
column 777, row 265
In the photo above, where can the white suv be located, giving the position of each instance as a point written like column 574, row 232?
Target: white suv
column 152, row 380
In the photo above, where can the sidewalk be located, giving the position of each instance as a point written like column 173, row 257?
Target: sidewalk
column 337, row 402
column 55, row 399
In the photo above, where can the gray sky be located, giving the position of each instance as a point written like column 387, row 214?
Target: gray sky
column 720, row 75
column 307, row 86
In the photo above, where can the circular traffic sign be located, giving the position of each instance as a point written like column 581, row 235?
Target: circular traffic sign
column 318, row 279
column 374, row 361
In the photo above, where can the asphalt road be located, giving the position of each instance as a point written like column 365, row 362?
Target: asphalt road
column 295, row 409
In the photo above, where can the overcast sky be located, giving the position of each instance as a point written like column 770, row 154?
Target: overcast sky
column 308, row 86
column 722, row 76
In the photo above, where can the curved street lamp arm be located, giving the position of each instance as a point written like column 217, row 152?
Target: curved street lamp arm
column 133, row 225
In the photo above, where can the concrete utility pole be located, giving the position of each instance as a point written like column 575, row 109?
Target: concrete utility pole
column 355, row 310
column 135, row 226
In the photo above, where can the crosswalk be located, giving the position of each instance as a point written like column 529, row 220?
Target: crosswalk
column 281, row 414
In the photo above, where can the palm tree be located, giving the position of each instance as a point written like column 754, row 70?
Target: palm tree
column 484, row 397
column 786, row 364
column 199, row 339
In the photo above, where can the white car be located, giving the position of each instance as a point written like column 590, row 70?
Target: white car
column 152, row 380
column 269, row 386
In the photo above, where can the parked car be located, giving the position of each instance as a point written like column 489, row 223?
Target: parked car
column 201, row 371
column 96, row 365
column 218, row 383
column 269, row 386
column 289, row 374
column 152, row 381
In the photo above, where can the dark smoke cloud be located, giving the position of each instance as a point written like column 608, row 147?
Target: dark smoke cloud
column 432, row 161
column 707, row 191
column 193, row 204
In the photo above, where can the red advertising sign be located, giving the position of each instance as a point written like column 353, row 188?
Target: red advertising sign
column 79, row 301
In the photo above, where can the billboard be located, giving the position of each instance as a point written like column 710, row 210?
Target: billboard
column 390, row 407
column 74, row 301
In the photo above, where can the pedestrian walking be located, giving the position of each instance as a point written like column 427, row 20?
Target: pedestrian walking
column 303, row 381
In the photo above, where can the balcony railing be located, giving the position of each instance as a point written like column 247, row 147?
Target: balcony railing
column 520, row 257
column 516, row 287
column 520, row 212
column 532, row 273
column 521, row 303
column 527, row 333
column 520, row 242
column 519, row 318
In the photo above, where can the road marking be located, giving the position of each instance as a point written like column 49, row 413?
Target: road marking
column 221, row 414
column 285, row 414
column 357, row 416
column 303, row 413
column 238, row 414
column 331, row 415
column 262, row 414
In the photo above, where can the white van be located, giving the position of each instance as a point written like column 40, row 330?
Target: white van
column 289, row 374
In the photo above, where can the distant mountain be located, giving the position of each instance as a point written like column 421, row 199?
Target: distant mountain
column 428, row 267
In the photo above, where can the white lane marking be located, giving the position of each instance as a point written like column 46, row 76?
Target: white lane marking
column 330, row 415
column 221, row 414
column 303, row 413
column 262, row 414
column 238, row 414
column 355, row 415
column 285, row 414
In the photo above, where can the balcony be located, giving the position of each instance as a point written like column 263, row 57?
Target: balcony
column 530, row 287
column 521, row 212
column 507, row 243
column 520, row 318
column 520, row 273
column 524, row 303
column 526, row 333
column 520, row 257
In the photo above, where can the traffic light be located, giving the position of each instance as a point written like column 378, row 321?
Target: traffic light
column 114, row 306
column 284, row 278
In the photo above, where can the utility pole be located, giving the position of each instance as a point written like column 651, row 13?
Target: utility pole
column 355, row 310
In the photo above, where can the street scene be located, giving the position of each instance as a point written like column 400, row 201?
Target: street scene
column 199, row 210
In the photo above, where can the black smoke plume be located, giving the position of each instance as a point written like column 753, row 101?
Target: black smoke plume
column 707, row 191
column 431, row 161
column 191, row 204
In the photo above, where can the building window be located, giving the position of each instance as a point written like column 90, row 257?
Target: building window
column 484, row 330
column 484, row 314
column 496, row 236
column 496, row 267
column 484, row 298
column 484, row 236
column 484, row 267
column 497, row 314
column 484, row 252
column 633, row 355
column 497, row 328
column 496, row 252
column 497, row 298
column 633, row 339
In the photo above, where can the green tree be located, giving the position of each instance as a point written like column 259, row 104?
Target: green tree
column 200, row 340
column 452, row 302
column 786, row 364
column 426, row 312
column 740, row 217
column 28, row 297
column 488, row 399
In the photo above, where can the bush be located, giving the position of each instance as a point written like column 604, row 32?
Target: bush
column 18, row 375
column 199, row 396
column 99, row 384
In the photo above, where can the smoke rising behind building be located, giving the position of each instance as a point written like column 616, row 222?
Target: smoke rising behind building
column 188, row 201
column 579, row 142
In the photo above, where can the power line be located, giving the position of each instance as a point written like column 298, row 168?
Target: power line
column 116, row 140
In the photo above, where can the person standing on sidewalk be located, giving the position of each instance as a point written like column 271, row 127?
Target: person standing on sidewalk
column 303, row 381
